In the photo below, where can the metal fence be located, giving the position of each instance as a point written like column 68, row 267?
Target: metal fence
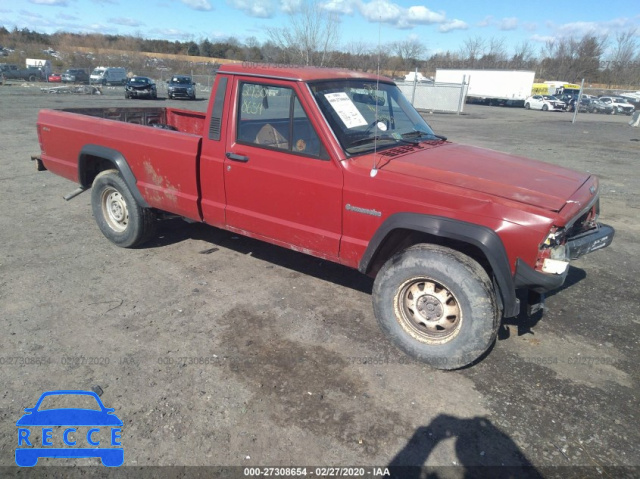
column 446, row 97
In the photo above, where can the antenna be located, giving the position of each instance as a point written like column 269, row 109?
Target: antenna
column 374, row 169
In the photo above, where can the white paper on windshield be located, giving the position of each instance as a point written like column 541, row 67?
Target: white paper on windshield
column 345, row 109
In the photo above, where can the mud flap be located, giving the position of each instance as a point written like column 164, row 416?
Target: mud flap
column 535, row 302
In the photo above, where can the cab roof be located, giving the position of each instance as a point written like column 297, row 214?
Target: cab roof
column 297, row 73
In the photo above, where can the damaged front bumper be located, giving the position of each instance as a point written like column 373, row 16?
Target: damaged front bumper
column 592, row 240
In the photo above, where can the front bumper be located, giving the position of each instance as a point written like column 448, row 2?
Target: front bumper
column 589, row 241
column 141, row 93
column 181, row 93
column 527, row 277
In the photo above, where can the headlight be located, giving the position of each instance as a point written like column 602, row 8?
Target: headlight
column 553, row 256
column 555, row 237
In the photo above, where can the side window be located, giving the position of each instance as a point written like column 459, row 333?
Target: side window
column 305, row 139
column 272, row 117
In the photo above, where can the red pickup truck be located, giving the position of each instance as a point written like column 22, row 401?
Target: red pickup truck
column 339, row 165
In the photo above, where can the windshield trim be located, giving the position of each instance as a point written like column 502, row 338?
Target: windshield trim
column 389, row 141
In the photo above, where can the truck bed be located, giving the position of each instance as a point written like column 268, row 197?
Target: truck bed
column 164, row 160
column 185, row 121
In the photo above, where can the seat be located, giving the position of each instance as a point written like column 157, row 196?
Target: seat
column 269, row 136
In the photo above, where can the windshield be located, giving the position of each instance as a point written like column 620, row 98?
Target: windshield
column 181, row 80
column 98, row 71
column 365, row 115
column 141, row 81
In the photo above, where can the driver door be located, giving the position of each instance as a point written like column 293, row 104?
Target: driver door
column 280, row 183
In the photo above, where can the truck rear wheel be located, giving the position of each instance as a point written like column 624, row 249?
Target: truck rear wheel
column 119, row 216
column 437, row 305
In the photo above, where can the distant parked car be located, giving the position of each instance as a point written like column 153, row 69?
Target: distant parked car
column 544, row 103
column 181, row 86
column 11, row 71
column 140, row 87
column 109, row 76
column 54, row 78
column 75, row 75
column 619, row 104
column 567, row 98
column 585, row 104
column 597, row 106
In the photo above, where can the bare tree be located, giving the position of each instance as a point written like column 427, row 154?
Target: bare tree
column 496, row 54
column 620, row 65
column 312, row 35
column 523, row 56
column 409, row 52
column 361, row 56
column 472, row 50
column 572, row 59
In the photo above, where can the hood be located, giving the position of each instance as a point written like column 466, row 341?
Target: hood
column 139, row 87
column 499, row 174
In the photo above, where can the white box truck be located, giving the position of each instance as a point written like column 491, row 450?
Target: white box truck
column 511, row 87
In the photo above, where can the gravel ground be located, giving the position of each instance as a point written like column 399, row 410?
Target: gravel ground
column 218, row 350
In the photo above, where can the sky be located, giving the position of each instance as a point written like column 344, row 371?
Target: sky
column 439, row 26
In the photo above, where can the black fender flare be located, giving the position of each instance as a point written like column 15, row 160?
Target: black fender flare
column 119, row 162
column 482, row 237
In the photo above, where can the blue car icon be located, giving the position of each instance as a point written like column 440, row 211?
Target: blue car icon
column 71, row 417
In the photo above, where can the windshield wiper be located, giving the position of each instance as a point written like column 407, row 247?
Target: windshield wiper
column 417, row 133
column 371, row 139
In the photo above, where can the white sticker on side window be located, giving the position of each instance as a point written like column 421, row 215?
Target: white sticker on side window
column 345, row 109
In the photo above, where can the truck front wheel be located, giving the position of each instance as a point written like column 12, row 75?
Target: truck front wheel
column 437, row 305
column 119, row 216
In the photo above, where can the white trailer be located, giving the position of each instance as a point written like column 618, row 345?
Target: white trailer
column 492, row 86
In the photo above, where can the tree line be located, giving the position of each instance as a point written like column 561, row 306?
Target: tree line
column 312, row 38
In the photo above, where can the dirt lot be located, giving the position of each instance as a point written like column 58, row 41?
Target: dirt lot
column 217, row 350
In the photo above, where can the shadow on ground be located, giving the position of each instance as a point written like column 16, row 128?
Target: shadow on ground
column 482, row 450
column 177, row 230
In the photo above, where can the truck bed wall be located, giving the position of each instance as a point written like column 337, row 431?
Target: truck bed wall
column 164, row 162
column 185, row 121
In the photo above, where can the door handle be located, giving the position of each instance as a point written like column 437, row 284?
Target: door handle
column 234, row 157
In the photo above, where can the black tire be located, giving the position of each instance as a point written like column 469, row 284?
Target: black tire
column 455, row 317
column 32, row 78
column 545, row 107
column 527, row 106
column 119, row 216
